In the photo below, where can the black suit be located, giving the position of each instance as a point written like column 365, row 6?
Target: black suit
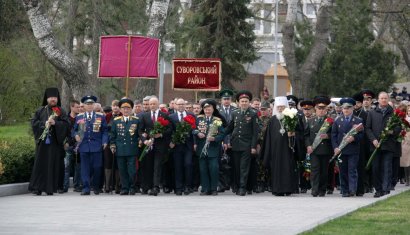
column 183, row 157
column 151, row 165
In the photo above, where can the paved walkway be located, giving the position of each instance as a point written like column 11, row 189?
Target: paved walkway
column 226, row 213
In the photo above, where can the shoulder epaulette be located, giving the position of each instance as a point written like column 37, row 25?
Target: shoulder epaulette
column 80, row 114
column 117, row 118
column 337, row 118
column 217, row 118
column 136, row 118
column 201, row 115
column 99, row 113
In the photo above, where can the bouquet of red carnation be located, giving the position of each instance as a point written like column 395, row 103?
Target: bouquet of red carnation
column 396, row 120
column 46, row 133
column 323, row 130
column 159, row 128
column 354, row 131
column 183, row 129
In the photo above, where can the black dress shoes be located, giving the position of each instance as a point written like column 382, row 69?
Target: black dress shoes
column 167, row 190
column 124, row 193
column 214, row 193
column 85, row 193
column 178, row 193
column 153, row 192
column 378, row 194
column 187, row 191
column 242, row 192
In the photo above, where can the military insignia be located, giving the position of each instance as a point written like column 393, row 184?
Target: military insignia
column 202, row 126
column 247, row 118
column 132, row 129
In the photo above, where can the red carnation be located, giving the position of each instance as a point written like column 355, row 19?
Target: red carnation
column 56, row 110
column 164, row 110
column 190, row 120
column 163, row 121
column 329, row 120
column 403, row 133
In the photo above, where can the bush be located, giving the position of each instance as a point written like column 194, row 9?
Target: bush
column 16, row 159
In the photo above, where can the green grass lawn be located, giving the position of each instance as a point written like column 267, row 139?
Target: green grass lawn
column 14, row 131
column 391, row 216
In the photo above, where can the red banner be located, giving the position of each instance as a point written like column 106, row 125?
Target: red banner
column 140, row 62
column 196, row 74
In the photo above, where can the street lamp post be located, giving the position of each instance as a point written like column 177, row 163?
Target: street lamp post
column 275, row 66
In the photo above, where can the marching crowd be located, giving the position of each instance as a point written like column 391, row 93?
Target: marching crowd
column 248, row 145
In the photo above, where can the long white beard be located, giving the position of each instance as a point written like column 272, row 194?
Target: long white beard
column 279, row 116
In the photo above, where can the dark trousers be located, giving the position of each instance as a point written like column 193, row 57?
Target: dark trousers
column 183, row 167
column 209, row 168
column 195, row 171
column 242, row 165
column 382, row 170
column 225, row 171
column 126, row 167
column 91, row 166
column 361, row 172
column 151, row 167
column 332, row 180
column 395, row 170
column 319, row 173
column 252, row 176
column 348, row 173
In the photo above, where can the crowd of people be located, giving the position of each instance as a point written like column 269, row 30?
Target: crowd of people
column 240, row 143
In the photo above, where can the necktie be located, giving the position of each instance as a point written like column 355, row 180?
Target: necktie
column 181, row 117
column 126, row 119
column 347, row 120
column 89, row 117
column 153, row 117
column 227, row 111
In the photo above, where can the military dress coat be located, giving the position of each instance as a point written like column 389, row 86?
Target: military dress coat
column 124, row 136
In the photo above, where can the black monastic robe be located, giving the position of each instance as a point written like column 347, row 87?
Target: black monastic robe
column 279, row 157
column 49, row 160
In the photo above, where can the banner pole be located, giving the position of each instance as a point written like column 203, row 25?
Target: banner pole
column 196, row 96
column 128, row 66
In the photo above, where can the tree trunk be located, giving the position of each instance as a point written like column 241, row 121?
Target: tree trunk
column 300, row 75
column 66, row 93
column 74, row 72
column 156, row 28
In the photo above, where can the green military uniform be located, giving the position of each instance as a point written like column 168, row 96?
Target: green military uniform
column 245, row 130
column 208, row 163
column 124, row 138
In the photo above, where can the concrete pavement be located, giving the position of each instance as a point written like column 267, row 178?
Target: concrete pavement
column 226, row 213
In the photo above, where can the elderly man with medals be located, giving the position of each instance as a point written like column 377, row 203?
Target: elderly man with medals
column 124, row 144
column 208, row 145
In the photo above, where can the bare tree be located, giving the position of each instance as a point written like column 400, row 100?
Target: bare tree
column 300, row 75
column 74, row 72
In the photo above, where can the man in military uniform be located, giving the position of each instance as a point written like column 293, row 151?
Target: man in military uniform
column 350, row 154
column 263, row 180
column 226, row 174
column 208, row 145
column 364, row 183
column 321, row 155
column 124, row 144
column 90, row 132
column 307, row 107
column 244, row 129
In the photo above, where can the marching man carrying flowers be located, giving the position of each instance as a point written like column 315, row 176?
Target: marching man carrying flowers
column 350, row 154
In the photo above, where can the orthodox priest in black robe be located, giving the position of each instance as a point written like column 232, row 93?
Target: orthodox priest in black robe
column 277, row 155
column 49, row 160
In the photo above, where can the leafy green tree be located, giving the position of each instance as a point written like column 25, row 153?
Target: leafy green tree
column 218, row 29
column 355, row 61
